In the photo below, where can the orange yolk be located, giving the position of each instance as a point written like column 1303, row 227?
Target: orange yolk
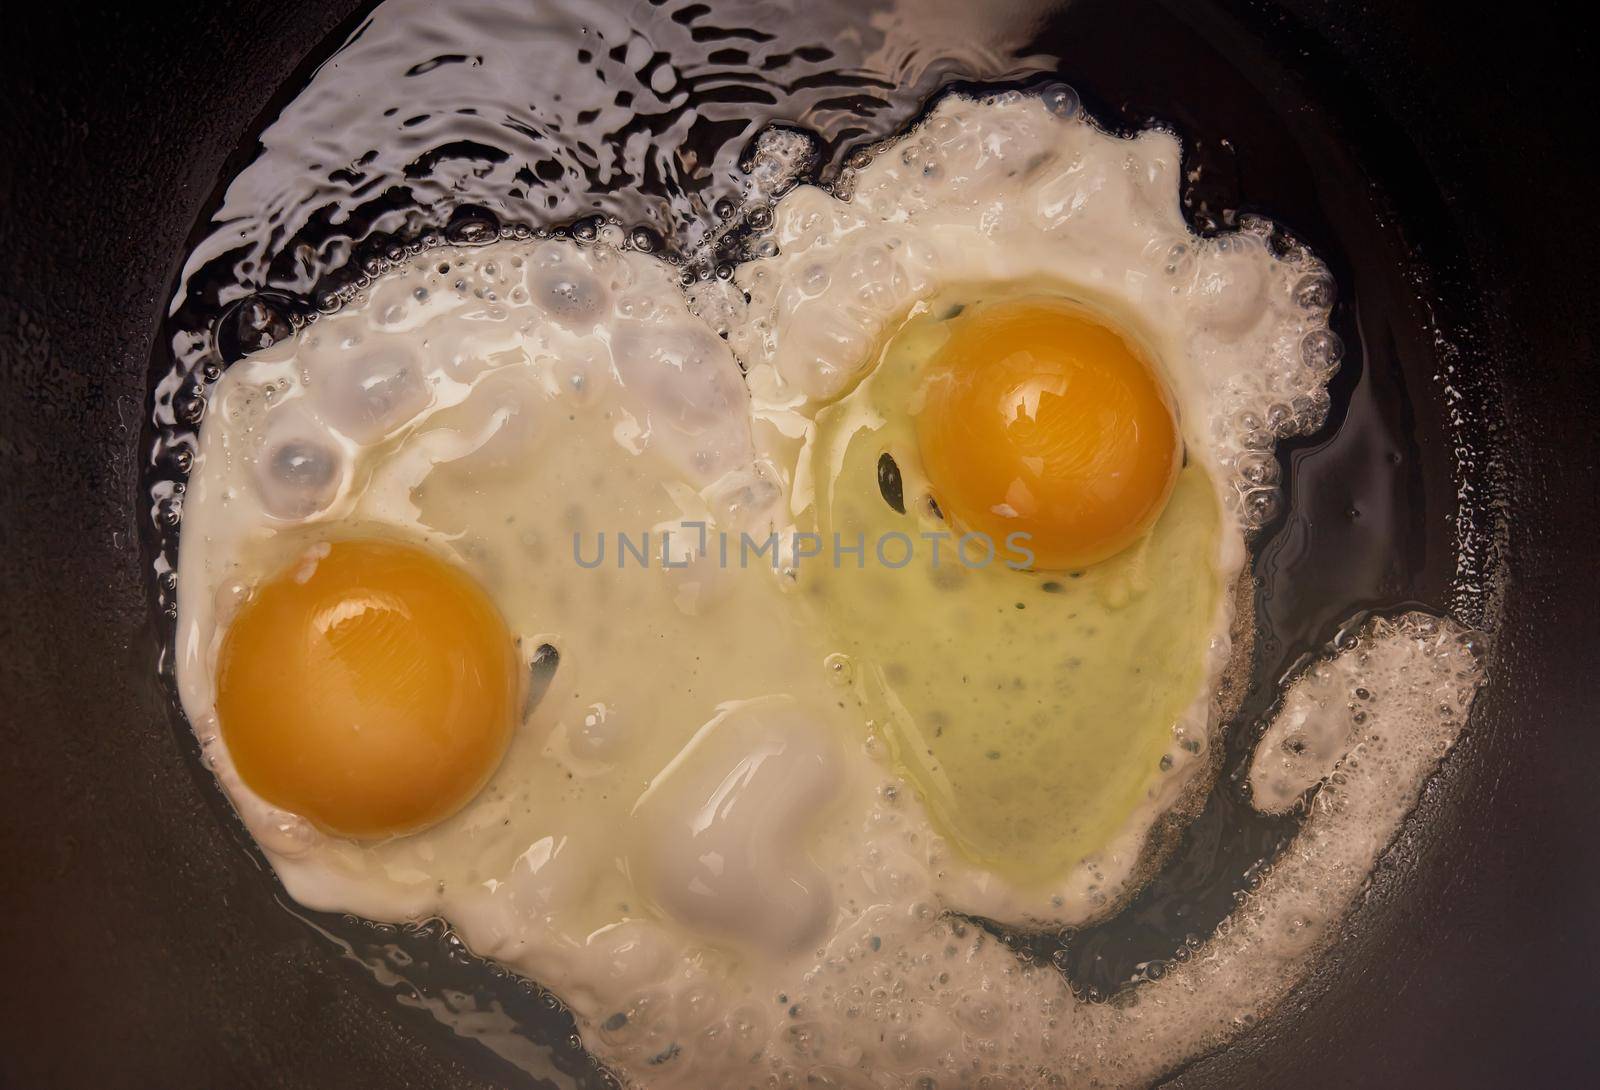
column 1039, row 419
column 372, row 691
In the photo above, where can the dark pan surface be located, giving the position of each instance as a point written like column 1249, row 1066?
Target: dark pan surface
column 142, row 944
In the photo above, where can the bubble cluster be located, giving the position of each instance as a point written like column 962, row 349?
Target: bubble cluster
column 303, row 413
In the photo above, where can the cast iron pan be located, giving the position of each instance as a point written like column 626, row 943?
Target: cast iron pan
column 145, row 945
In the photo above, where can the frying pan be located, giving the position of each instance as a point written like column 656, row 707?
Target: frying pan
column 143, row 945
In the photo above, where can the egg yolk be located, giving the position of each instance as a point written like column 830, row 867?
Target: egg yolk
column 1041, row 420
column 371, row 690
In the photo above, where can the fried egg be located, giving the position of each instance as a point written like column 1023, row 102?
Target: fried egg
column 402, row 661
column 530, row 591
column 1011, row 314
